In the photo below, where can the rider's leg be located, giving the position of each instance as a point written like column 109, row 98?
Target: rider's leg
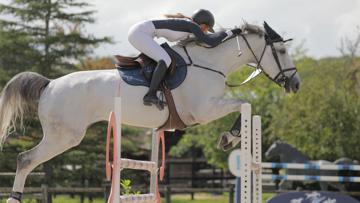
column 158, row 75
column 145, row 43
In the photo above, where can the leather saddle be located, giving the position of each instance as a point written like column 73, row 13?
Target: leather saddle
column 138, row 71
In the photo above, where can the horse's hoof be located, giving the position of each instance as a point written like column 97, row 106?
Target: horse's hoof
column 227, row 141
column 12, row 200
column 227, row 147
column 235, row 132
column 223, row 141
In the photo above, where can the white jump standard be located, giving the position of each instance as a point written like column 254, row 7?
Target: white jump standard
column 119, row 163
column 249, row 168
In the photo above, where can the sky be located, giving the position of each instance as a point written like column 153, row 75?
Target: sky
column 319, row 24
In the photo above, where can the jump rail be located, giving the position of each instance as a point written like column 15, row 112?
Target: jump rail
column 314, row 178
column 310, row 166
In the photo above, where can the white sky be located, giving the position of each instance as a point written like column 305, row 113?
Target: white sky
column 321, row 23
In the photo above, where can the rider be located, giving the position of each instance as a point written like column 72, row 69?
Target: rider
column 173, row 28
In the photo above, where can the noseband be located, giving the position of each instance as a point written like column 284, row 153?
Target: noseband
column 280, row 79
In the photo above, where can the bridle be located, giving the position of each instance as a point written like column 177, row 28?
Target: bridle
column 280, row 79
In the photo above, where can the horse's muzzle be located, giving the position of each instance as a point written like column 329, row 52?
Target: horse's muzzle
column 293, row 85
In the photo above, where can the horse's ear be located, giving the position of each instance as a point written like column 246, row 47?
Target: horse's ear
column 274, row 36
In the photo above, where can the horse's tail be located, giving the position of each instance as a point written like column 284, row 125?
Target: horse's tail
column 20, row 94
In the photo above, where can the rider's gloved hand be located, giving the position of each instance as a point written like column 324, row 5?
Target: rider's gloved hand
column 232, row 32
column 236, row 31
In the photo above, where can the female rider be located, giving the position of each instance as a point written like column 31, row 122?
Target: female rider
column 173, row 28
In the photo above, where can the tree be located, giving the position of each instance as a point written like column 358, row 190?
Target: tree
column 16, row 54
column 322, row 120
column 53, row 30
column 97, row 63
column 46, row 36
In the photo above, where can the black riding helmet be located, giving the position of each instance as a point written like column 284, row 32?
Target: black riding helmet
column 203, row 16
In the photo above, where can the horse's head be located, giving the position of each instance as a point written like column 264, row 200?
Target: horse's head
column 274, row 150
column 260, row 45
column 272, row 57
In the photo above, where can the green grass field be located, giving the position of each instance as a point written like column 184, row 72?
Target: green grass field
column 199, row 198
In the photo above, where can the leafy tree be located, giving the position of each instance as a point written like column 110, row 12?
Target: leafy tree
column 53, row 29
column 97, row 63
column 322, row 120
column 48, row 37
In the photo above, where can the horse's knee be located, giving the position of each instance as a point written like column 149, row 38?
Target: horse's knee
column 71, row 137
column 23, row 161
column 63, row 135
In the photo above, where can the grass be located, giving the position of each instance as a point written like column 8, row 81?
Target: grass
column 184, row 198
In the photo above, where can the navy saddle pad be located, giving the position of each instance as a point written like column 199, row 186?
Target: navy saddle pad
column 311, row 197
column 134, row 76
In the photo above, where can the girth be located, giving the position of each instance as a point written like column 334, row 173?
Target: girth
column 173, row 121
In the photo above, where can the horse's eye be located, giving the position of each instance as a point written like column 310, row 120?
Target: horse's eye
column 282, row 51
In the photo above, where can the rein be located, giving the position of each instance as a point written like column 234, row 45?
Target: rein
column 200, row 66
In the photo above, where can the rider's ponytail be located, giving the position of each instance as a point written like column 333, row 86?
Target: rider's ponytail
column 177, row 15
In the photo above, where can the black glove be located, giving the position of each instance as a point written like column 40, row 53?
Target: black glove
column 236, row 31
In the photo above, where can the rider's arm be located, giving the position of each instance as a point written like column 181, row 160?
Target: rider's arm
column 209, row 39
column 190, row 27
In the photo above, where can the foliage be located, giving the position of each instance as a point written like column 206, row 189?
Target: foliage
column 126, row 187
column 48, row 37
column 97, row 63
column 322, row 120
column 49, row 33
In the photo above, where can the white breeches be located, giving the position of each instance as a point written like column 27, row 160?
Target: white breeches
column 141, row 36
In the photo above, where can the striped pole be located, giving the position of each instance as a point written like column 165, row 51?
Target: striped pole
column 309, row 166
column 251, row 183
column 314, row 178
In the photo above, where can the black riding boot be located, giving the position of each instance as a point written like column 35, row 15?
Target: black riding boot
column 150, row 97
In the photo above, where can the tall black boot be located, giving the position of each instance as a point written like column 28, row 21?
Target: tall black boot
column 150, row 97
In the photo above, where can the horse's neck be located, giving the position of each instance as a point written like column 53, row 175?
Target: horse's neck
column 293, row 155
column 224, row 57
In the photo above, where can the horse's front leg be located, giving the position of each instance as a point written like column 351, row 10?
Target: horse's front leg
column 221, row 107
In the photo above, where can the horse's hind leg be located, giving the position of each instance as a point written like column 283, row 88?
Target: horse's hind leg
column 56, row 140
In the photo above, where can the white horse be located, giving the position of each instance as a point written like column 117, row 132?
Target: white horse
column 68, row 105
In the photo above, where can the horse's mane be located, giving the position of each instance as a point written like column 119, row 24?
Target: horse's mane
column 293, row 149
column 246, row 28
